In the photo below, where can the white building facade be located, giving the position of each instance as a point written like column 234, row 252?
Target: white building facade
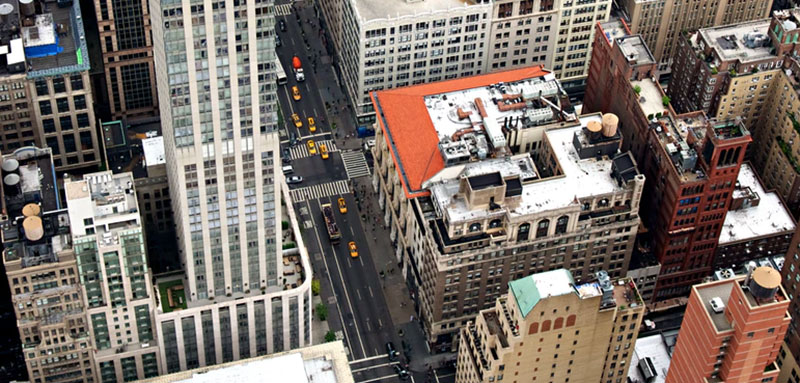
column 215, row 66
column 109, row 247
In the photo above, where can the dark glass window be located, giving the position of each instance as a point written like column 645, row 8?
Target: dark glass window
column 76, row 81
column 83, row 120
column 41, row 87
column 66, row 122
column 49, row 125
column 86, row 141
column 59, row 85
column 45, row 107
column 69, row 143
column 52, row 143
column 62, row 104
column 80, row 102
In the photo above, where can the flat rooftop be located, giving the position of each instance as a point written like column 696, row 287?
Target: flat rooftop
column 655, row 348
column 745, row 42
column 635, row 49
column 460, row 119
column 721, row 290
column 528, row 291
column 134, row 146
column 111, row 194
column 369, row 10
column 613, row 29
column 36, row 180
column 323, row 363
column 650, row 96
column 770, row 216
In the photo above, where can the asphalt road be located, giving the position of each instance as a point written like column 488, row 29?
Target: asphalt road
column 351, row 287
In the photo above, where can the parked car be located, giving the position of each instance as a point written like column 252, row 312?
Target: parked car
column 294, row 180
column 282, row 25
column 278, row 41
column 400, row 371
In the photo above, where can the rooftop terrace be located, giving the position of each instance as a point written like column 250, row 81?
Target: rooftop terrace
column 770, row 216
column 50, row 34
column 745, row 42
column 723, row 290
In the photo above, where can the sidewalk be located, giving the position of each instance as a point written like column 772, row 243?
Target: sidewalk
column 318, row 328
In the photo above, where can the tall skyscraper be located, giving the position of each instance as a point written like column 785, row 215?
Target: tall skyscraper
column 215, row 68
column 42, row 272
column 732, row 330
column 551, row 329
column 108, row 239
column 126, row 42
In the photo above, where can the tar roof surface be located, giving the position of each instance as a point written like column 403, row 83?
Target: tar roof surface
column 409, row 131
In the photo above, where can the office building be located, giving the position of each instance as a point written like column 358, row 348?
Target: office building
column 790, row 370
column 791, row 284
column 693, row 159
column 757, row 224
column 555, row 34
column 480, row 180
column 383, row 45
column 219, row 116
column 108, row 241
column 45, row 91
column 138, row 147
column 732, row 330
column 126, row 43
column 322, row 363
column 551, row 329
column 40, row 262
column 660, row 22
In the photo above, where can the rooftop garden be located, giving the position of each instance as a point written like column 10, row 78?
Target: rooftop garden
column 787, row 151
column 173, row 296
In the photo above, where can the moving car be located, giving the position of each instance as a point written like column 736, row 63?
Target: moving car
column 296, row 93
column 282, row 26
column 312, row 149
column 400, row 371
column 391, row 351
column 353, row 249
column 342, row 206
column 312, row 126
column 323, row 150
column 294, row 180
column 298, row 123
column 286, row 158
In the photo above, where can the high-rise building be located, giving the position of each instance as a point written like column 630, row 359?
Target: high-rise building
column 555, row 34
column 108, row 240
column 215, row 66
column 40, row 262
column 126, row 43
column 481, row 181
column 550, row 328
column 693, row 160
column 790, row 277
column 45, row 91
column 757, row 223
column 660, row 22
column 732, row 330
column 385, row 45
column 748, row 71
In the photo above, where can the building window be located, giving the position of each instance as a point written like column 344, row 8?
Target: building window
column 474, row 227
column 561, row 224
column 544, row 225
column 77, row 82
column 45, row 108
column 522, row 232
column 495, row 223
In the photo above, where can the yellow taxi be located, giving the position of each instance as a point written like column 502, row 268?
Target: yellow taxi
column 353, row 249
column 296, row 93
column 342, row 206
column 312, row 127
column 297, row 121
column 323, row 151
column 312, row 149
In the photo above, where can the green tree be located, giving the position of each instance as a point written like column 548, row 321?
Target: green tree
column 330, row 336
column 322, row 311
column 665, row 100
column 637, row 89
column 315, row 286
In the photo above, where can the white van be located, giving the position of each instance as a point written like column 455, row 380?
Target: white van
column 288, row 169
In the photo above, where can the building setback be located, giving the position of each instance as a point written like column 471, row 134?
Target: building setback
column 108, row 239
column 45, row 92
column 126, row 43
column 660, row 22
column 40, row 263
column 473, row 205
column 693, row 160
column 549, row 328
column 732, row 330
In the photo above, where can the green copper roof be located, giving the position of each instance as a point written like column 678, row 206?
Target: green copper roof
column 529, row 290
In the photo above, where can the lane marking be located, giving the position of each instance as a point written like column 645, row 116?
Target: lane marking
column 368, row 358
column 373, row 367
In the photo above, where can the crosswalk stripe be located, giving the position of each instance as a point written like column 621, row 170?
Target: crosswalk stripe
column 319, row 191
column 283, row 9
column 301, row 150
column 355, row 164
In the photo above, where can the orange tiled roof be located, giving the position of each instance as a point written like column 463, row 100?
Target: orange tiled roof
column 409, row 132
